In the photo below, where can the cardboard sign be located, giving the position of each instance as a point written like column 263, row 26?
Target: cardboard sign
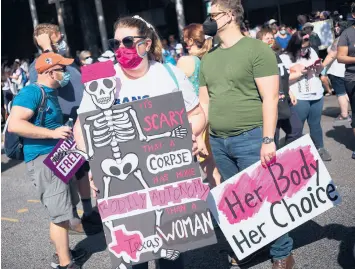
column 259, row 204
column 64, row 167
column 325, row 31
column 152, row 200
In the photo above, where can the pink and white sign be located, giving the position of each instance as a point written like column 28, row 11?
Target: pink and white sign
column 259, row 204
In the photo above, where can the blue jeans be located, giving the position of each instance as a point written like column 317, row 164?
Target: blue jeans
column 312, row 112
column 234, row 154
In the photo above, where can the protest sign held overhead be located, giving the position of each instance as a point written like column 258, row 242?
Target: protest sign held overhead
column 152, row 200
column 259, row 204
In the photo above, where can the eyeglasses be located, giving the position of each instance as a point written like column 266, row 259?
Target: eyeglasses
column 213, row 16
column 63, row 69
column 128, row 42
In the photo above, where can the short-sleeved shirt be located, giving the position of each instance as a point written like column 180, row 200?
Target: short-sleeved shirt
column 283, row 41
column 284, row 77
column 336, row 69
column 308, row 87
column 31, row 97
column 155, row 82
column 347, row 39
column 229, row 74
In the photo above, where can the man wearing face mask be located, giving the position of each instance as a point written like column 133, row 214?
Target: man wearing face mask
column 49, row 39
column 41, row 131
column 239, row 92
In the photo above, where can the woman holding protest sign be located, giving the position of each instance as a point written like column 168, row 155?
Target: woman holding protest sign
column 140, row 74
column 305, row 66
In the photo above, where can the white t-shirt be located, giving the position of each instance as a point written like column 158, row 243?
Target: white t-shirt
column 309, row 87
column 155, row 82
column 19, row 81
column 336, row 69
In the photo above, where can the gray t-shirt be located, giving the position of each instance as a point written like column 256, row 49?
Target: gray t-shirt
column 347, row 39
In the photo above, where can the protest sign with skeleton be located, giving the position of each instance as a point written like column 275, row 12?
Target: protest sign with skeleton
column 112, row 127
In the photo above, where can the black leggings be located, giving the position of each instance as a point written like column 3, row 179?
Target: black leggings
column 350, row 89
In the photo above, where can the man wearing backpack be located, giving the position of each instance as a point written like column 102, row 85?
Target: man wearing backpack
column 41, row 132
column 47, row 38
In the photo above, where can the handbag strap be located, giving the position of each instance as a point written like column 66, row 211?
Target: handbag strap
column 172, row 75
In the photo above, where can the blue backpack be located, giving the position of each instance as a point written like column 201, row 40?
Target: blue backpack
column 13, row 144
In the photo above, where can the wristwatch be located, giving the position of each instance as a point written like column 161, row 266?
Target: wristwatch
column 268, row 140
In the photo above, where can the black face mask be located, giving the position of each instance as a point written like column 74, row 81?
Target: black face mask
column 210, row 27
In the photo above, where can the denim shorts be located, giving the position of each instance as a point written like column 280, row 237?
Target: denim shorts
column 338, row 84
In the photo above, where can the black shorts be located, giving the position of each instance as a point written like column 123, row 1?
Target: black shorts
column 338, row 84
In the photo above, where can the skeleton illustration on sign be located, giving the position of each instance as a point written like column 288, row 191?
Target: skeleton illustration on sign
column 110, row 127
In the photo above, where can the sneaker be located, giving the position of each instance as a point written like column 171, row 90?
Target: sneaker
column 76, row 255
column 340, row 120
column 324, row 154
column 92, row 224
column 353, row 156
column 287, row 263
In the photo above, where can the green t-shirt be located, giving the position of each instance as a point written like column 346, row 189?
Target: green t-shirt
column 235, row 104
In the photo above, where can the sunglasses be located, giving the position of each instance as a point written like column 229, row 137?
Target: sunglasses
column 87, row 57
column 128, row 42
column 306, row 40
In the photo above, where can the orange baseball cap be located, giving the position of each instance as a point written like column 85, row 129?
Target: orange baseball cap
column 50, row 59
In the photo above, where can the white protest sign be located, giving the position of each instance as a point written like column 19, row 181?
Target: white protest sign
column 258, row 205
column 325, row 31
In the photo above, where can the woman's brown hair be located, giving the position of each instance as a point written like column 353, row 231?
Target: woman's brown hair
column 144, row 29
column 195, row 32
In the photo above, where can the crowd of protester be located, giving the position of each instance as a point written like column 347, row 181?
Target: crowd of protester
column 236, row 110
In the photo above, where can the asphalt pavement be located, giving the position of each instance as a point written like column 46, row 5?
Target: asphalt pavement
column 326, row 242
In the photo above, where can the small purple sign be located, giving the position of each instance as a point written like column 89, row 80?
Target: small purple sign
column 66, row 167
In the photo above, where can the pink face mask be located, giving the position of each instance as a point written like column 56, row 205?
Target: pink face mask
column 128, row 58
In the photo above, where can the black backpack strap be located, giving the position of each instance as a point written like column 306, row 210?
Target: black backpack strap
column 43, row 107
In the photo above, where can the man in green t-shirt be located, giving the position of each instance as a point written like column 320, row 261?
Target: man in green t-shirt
column 239, row 86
